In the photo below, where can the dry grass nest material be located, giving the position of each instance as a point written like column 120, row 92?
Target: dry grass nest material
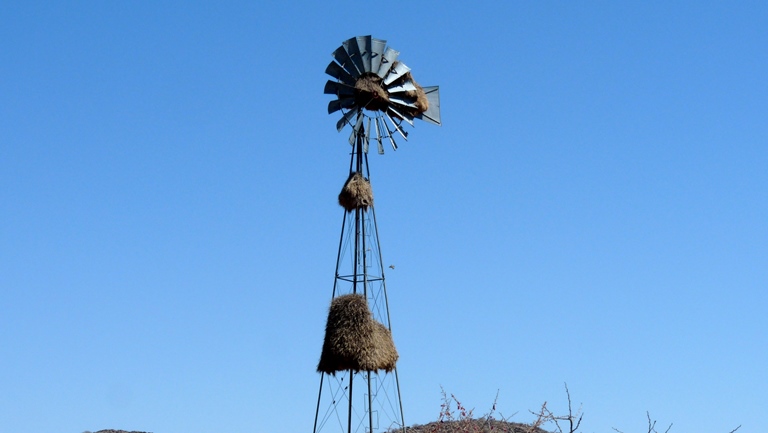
column 371, row 94
column 356, row 193
column 419, row 96
column 354, row 340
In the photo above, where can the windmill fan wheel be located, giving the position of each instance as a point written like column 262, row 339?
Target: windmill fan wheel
column 371, row 83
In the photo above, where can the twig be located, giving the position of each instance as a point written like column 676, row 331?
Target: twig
column 570, row 412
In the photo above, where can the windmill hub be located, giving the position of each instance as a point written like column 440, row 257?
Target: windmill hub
column 370, row 93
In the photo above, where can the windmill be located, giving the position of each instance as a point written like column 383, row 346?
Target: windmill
column 359, row 387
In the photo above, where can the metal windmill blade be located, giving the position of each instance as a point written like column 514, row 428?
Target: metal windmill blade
column 371, row 81
column 389, row 57
column 364, row 47
column 432, row 115
column 377, row 52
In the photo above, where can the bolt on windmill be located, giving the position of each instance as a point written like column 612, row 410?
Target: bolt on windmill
column 359, row 388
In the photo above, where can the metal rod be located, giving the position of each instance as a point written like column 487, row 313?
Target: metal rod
column 358, row 223
column 370, row 405
column 349, row 411
column 319, row 394
column 341, row 238
column 359, row 216
column 362, row 228
column 357, row 248
column 338, row 254
column 362, row 158
column 400, row 400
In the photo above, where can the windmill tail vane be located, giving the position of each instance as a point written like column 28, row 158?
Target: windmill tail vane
column 370, row 82
column 359, row 386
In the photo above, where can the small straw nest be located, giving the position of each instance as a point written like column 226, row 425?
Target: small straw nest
column 418, row 97
column 354, row 340
column 356, row 193
column 421, row 102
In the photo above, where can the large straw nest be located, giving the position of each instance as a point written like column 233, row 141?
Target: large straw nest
column 356, row 193
column 354, row 340
column 370, row 93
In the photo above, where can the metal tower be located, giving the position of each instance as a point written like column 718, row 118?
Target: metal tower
column 375, row 93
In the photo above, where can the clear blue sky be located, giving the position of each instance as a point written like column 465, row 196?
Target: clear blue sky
column 593, row 211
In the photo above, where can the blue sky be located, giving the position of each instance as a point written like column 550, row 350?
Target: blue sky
column 592, row 211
